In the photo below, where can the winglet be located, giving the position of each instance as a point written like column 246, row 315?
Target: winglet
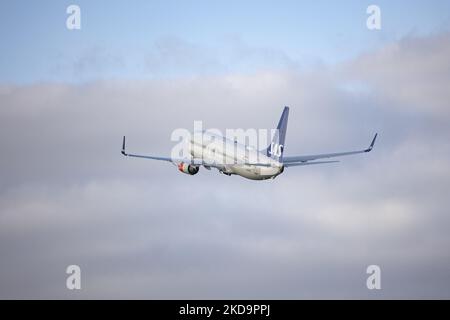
column 372, row 144
column 123, row 147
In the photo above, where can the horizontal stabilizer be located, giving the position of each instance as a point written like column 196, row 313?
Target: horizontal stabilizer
column 307, row 163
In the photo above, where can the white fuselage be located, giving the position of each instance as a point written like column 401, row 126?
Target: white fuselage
column 232, row 157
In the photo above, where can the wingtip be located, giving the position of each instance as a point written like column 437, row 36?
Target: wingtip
column 123, row 146
column 372, row 143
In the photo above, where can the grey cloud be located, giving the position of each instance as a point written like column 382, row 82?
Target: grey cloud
column 94, row 62
column 412, row 73
column 140, row 229
column 174, row 56
column 97, row 60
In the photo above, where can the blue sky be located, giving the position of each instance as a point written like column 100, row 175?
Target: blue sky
column 117, row 37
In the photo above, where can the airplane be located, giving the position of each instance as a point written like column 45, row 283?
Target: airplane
column 271, row 161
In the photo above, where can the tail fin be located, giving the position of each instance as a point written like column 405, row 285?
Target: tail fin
column 276, row 148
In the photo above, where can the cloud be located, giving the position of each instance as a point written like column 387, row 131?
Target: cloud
column 140, row 229
column 172, row 56
column 413, row 73
column 96, row 60
column 175, row 56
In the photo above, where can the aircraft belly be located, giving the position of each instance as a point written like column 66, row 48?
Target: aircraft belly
column 254, row 172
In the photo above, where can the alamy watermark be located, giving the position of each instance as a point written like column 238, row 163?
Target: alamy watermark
column 374, row 280
column 373, row 22
column 73, row 21
column 230, row 148
column 73, row 281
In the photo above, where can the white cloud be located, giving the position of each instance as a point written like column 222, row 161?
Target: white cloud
column 141, row 229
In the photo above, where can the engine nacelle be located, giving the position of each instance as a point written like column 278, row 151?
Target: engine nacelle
column 188, row 168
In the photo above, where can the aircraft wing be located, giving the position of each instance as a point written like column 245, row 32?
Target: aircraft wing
column 291, row 161
column 168, row 159
column 193, row 161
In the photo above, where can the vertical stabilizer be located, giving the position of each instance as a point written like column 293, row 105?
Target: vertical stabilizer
column 276, row 148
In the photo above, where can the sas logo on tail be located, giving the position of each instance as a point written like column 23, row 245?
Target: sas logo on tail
column 276, row 149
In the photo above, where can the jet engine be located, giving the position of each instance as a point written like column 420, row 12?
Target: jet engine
column 188, row 168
